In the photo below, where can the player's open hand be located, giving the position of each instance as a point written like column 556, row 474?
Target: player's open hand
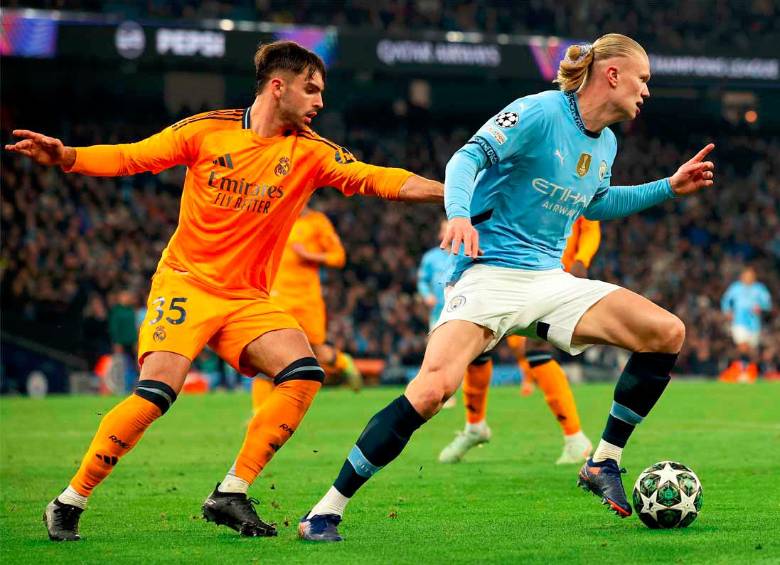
column 42, row 149
column 460, row 230
column 695, row 174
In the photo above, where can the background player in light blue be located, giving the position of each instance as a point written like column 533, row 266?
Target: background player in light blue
column 511, row 195
column 431, row 277
column 742, row 303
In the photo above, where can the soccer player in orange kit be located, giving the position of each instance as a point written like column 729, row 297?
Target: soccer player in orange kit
column 537, row 366
column 249, row 174
column 313, row 243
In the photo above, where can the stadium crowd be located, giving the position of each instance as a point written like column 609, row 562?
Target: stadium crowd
column 78, row 252
column 677, row 25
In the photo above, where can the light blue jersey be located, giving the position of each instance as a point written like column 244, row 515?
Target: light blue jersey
column 742, row 301
column 528, row 174
column 430, row 279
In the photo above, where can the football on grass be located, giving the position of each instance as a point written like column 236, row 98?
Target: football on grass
column 667, row 495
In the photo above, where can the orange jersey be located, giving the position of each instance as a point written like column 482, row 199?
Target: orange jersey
column 242, row 192
column 298, row 280
column 582, row 243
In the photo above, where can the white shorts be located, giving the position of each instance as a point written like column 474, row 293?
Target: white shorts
column 546, row 304
column 741, row 334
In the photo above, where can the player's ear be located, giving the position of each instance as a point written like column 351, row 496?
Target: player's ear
column 277, row 85
column 612, row 75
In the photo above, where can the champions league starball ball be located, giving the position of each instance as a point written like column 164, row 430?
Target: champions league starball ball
column 667, row 495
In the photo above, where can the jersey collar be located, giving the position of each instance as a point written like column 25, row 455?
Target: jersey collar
column 574, row 110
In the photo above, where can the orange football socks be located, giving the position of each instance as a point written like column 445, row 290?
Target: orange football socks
column 557, row 392
column 261, row 390
column 118, row 432
column 272, row 425
column 475, row 390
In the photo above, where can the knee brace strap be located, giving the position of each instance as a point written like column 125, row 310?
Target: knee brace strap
column 482, row 358
column 156, row 392
column 538, row 357
column 304, row 369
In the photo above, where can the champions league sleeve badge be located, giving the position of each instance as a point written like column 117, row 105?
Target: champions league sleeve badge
column 506, row 120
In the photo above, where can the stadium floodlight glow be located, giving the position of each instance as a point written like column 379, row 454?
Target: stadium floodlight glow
column 227, row 25
column 454, row 36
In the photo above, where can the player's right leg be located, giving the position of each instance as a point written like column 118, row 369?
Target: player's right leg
column 452, row 346
column 162, row 377
column 475, row 391
column 181, row 317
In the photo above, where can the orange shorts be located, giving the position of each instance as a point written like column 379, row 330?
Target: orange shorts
column 183, row 315
column 310, row 314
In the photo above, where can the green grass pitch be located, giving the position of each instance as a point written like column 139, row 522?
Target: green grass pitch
column 507, row 502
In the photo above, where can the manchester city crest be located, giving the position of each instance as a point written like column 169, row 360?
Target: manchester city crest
column 456, row 302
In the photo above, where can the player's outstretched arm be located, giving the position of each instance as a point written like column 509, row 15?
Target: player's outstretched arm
column 155, row 153
column 420, row 189
column 620, row 201
column 42, row 149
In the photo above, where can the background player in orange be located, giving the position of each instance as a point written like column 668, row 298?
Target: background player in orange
column 313, row 243
column 249, row 174
column 538, row 366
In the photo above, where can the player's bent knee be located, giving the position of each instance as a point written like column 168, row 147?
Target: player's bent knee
column 156, row 392
column 669, row 335
column 429, row 391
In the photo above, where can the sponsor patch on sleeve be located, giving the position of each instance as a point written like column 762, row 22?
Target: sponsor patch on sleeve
column 497, row 135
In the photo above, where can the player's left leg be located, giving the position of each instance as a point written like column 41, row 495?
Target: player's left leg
column 282, row 351
column 655, row 337
column 452, row 346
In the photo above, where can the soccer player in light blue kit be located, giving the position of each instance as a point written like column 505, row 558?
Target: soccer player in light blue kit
column 511, row 195
column 743, row 302
column 430, row 278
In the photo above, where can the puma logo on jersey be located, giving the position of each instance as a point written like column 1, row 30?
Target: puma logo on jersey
column 559, row 155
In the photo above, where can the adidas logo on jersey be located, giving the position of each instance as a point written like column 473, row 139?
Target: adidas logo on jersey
column 224, row 161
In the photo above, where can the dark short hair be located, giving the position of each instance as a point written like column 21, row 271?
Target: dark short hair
column 284, row 56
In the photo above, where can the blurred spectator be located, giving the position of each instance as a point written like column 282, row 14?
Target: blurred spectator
column 124, row 338
column 675, row 25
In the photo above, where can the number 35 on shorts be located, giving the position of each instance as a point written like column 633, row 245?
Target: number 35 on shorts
column 173, row 311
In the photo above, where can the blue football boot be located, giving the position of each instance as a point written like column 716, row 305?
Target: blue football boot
column 321, row 527
column 604, row 480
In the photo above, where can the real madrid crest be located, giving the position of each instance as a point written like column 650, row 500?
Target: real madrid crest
column 159, row 334
column 283, row 167
column 583, row 164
